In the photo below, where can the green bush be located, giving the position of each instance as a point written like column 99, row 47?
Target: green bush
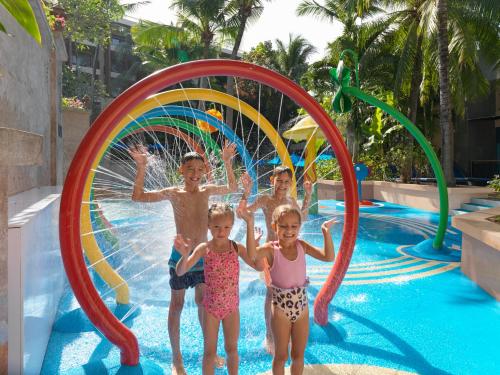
column 495, row 183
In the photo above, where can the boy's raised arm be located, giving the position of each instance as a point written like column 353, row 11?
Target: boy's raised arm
column 228, row 153
column 140, row 155
column 246, row 182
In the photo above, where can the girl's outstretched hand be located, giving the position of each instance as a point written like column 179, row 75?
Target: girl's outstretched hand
column 183, row 246
column 243, row 213
column 308, row 187
column 325, row 227
column 257, row 234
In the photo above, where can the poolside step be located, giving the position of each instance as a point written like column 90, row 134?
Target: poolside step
column 458, row 212
column 473, row 207
column 486, row 202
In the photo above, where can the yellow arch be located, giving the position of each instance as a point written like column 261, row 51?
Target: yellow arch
column 89, row 243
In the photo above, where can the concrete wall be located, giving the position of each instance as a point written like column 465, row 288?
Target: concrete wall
column 28, row 101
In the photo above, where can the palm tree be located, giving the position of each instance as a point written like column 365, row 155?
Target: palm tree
column 291, row 58
column 358, row 35
column 160, row 45
column 240, row 14
column 423, row 31
column 203, row 18
column 444, row 94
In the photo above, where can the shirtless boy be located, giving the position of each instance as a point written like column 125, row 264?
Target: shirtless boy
column 281, row 181
column 190, row 206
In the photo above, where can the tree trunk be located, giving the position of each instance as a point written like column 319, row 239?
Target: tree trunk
column 230, row 80
column 444, row 94
column 107, row 68
column 94, row 110
column 416, row 80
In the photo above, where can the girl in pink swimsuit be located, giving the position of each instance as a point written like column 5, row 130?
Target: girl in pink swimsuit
column 221, row 295
column 286, row 258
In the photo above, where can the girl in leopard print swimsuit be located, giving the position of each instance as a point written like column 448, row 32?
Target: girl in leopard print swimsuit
column 221, row 295
column 287, row 273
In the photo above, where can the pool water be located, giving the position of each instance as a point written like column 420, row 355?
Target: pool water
column 392, row 312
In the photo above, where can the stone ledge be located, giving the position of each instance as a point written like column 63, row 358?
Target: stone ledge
column 475, row 225
column 19, row 147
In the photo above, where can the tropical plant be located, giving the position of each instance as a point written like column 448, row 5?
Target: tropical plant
column 420, row 37
column 291, row 58
column 159, row 45
column 23, row 13
column 204, row 19
column 363, row 30
column 495, row 183
column 240, row 13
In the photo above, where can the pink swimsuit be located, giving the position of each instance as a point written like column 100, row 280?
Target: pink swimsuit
column 288, row 283
column 222, row 272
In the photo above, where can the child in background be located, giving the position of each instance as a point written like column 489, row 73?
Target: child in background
column 190, row 207
column 286, row 257
column 281, row 180
column 221, row 299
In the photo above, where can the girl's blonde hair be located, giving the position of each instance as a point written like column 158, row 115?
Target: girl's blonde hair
column 220, row 209
column 283, row 210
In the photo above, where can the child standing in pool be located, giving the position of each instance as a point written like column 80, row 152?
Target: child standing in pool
column 221, row 299
column 286, row 257
column 190, row 207
column 281, row 181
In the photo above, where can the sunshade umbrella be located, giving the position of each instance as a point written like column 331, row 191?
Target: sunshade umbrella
column 307, row 130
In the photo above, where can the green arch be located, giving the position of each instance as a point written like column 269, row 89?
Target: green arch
column 341, row 100
column 212, row 146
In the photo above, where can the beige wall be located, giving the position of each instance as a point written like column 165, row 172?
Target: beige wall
column 75, row 125
column 425, row 197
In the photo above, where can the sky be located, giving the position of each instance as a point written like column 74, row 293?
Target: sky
column 277, row 22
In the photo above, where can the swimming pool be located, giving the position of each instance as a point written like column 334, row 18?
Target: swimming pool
column 393, row 311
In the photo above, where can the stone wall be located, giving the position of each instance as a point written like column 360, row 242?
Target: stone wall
column 425, row 197
column 75, row 124
column 28, row 101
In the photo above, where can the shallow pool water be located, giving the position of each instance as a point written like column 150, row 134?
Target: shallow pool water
column 392, row 311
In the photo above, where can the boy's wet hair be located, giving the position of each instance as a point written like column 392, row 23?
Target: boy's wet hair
column 282, row 169
column 191, row 156
column 283, row 210
column 220, row 209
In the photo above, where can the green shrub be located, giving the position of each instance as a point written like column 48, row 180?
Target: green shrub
column 495, row 183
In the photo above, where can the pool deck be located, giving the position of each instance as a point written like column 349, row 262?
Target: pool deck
column 393, row 314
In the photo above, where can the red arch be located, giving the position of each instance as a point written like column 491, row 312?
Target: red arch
column 69, row 226
column 186, row 138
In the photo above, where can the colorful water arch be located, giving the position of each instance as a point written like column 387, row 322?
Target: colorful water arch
column 90, row 244
column 110, row 123
column 153, row 106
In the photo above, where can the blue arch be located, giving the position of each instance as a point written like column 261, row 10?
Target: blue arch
column 175, row 110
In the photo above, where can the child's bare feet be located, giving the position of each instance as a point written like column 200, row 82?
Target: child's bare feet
column 178, row 369
column 269, row 345
column 219, row 361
